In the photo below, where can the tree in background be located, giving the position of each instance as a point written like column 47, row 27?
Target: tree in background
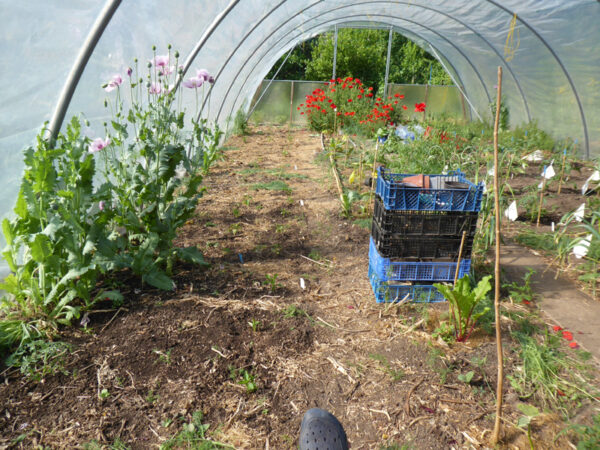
column 362, row 54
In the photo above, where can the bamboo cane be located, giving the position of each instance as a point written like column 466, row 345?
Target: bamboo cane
column 499, row 387
column 373, row 175
column 541, row 198
column 562, row 170
column 460, row 252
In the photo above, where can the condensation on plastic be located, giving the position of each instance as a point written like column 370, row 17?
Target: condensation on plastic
column 553, row 72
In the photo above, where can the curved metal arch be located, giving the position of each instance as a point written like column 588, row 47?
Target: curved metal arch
column 480, row 36
column 347, row 17
column 562, row 66
column 256, row 25
column 207, row 97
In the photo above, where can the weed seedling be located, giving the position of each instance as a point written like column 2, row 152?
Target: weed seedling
column 164, row 357
column 104, row 394
column 193, row 436
column 271, row 281
column 243, row 377
column 529, row 412
column 255, row 325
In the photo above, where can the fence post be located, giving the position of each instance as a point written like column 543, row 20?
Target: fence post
column 291, row 102
column 387, row 64
column 335, row 36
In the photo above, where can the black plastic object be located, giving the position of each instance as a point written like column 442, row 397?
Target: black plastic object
column 321, row 430
column 394, row 245
column 424, row 223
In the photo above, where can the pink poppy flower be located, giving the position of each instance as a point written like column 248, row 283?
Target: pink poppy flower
column 101, row 204
column 202, row 73
column 194, row 82
column 166, row 70
column 98, row 144
column 160, row 60
column 113, row 83
column 129, row 71
column 155, row 88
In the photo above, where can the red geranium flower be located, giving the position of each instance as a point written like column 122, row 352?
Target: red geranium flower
column 419, row 107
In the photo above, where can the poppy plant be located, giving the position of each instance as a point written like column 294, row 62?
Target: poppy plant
column 419, row 107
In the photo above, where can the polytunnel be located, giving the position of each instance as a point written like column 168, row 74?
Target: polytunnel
column 58, row 54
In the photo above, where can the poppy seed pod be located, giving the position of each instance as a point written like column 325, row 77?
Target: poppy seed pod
column 154, row 48
column 169, row 46
column 176, row 54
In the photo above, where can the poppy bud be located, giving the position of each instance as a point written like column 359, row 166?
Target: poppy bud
column 169, row 46
column 176, row 54
column 154, row 48
column 149, row 65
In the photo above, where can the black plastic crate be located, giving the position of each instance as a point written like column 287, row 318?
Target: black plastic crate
column 390, row 245
column 424, row 223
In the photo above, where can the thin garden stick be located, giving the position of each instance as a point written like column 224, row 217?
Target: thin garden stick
column 562, row 170
column 496, row 433
column 460, row 251
column 541, row 197
column 373, row 174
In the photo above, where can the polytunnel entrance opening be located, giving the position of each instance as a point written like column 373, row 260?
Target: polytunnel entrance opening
column 381, row 58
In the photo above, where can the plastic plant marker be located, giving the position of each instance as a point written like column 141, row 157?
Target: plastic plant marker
column 511, row 212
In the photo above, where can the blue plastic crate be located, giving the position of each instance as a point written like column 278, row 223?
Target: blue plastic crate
column 386, row 292
column 387, row 270
column 439, row 197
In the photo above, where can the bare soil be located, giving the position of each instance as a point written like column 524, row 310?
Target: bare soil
column 165, row 355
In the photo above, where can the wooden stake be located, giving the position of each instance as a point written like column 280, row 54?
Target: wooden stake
column 541, row 198
column 499, row 387
column 562, row 170
column 460, row 251
column 373, row 175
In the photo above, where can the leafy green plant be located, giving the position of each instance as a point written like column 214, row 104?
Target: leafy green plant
column 164, row 357
column 255, row 325
column 104, row 394
column 466, row 377
column 240, row 123
column 245, row 378
column 588, row 435
column 193, row 436
column 462, row 301
column 271, row 281
column 38, row 358
column 529, row 413
column 521, row 292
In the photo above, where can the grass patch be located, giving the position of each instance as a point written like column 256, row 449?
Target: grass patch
column 276, row 185
column 363, row 223
column 536, row 240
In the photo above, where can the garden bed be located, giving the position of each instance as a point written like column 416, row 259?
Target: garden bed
column 286, row 308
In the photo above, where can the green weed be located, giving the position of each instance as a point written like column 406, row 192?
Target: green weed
column 276, row 185
column 193, row 436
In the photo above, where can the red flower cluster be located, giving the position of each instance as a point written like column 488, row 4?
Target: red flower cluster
column 567, row 335
column 352, row 102
column 419, row 107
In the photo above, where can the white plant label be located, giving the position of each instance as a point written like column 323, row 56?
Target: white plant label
column 594, row 177
column 581, row 249
column 511, row 212
column 535, row 156
column 302, row 283
column 553, row 227
column 301, row 202
column 579, row 213
column 549, row 172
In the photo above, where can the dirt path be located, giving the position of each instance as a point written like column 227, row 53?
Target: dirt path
column 560, row 299
column 249, row 346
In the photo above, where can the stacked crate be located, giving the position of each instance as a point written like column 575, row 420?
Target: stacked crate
column 416, row 234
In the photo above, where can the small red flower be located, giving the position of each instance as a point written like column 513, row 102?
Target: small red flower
column 560, row 393
column 404, row 107
column 419, row 107
column 574, row 345
column 525, row 302
column 401, row 95
column 349, row 100
column 359, row 96
column 556, row 328
column 396, row 95
column 369, row 95
column 567, row 335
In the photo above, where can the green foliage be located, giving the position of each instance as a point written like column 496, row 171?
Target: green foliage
column 38, row 358
column 277, row 185
column 117, row 444
column 243, row 377
column 395, row 374
column 77, row 219
column 240, row 124
column 462, row 301
column 271, row 282
column 504, row 119
column 362, row 54
column 466, row 377
column 588, row 435
column 193, row 436
column 520, row 291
